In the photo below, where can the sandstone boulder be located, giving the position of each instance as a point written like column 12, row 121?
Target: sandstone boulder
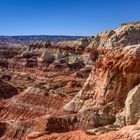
column 131, row 113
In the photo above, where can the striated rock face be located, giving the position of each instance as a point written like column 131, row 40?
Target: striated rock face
column 113, row 77
column 82, row 89
column 19, row 115
column 103, row 95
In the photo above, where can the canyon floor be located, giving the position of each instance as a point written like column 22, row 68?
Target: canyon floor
column 85, row 89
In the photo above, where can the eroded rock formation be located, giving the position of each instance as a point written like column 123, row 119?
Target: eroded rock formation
column 113, row 76
column 82, row 89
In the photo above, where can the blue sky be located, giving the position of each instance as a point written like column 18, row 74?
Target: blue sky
column 65, row 17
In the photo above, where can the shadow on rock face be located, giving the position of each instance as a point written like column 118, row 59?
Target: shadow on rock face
column 7, row 90
column 2, row 129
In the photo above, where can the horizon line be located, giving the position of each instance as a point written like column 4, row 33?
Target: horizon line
column 43, row 35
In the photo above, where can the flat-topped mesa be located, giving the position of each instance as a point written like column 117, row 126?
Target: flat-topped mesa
column 113, row 76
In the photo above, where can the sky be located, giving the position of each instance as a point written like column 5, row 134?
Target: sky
column 65, row 17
